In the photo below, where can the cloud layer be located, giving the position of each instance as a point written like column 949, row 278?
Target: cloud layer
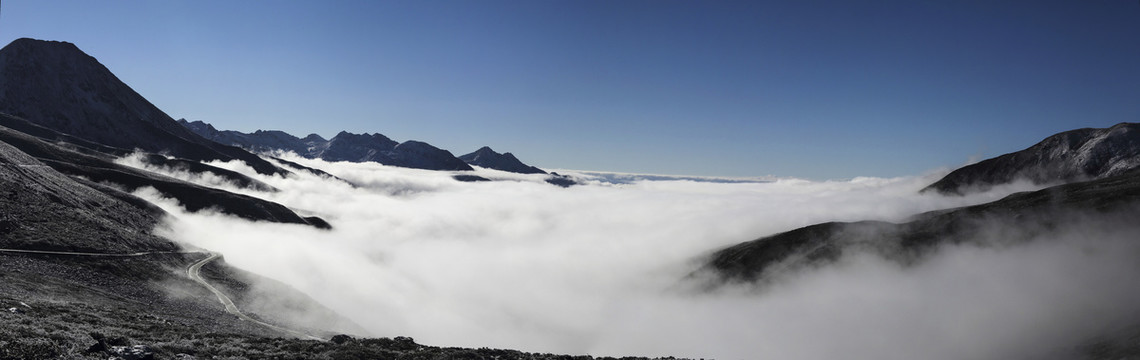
column 596, row 269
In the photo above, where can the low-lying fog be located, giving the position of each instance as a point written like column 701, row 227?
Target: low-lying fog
column 599, row 268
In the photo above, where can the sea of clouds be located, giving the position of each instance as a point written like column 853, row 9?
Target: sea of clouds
column 601, row 268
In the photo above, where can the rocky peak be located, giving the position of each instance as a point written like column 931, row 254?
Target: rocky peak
column 56, row 85
column 375, row 140
column 485, row 157
column 312, row 138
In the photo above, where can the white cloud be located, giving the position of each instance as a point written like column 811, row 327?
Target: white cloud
column 593, row 269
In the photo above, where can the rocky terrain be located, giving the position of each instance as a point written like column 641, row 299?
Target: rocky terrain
column 57, row 86
column 55, row 307
column 1077, row 155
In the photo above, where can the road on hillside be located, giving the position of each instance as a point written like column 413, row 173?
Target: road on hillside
column 194, row 272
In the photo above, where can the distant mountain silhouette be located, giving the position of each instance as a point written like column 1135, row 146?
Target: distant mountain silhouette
column 1077, row 155
column 345, row 146
column 485, row 157
column 56, row 85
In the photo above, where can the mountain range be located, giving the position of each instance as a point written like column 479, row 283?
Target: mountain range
column 86, row 272
column 346, row 146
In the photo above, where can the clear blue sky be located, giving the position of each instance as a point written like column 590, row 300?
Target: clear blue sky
column 815, row 89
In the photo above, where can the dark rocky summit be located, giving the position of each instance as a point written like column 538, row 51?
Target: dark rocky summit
column 345, row 146
column 57, row 86
column 1077, row 155
column 485, row 157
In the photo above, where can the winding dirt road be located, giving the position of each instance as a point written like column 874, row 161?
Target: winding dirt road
column 194, row 272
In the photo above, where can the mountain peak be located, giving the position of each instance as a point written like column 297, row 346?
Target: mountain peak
column 485, row 157
column 56, row 85
column 26, row 44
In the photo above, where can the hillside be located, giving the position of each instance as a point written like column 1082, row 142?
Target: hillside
column 55, row 85
column 1076, row 155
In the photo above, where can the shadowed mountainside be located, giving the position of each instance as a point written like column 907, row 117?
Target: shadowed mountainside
column 99, row 168
column 42, row 209
column 56, row 85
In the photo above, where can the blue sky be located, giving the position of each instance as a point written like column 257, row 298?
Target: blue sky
column 814, row 89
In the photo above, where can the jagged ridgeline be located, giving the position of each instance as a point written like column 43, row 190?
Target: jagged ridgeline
column 344, row 146
column 378, row 148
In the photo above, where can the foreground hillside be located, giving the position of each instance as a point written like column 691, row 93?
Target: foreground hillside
column 96, row 308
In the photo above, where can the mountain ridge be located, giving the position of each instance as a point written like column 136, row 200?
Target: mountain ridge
column 345, row 146
column 58, row 86
column 1074, row 155
column 1097, row 169
column 488, row 158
